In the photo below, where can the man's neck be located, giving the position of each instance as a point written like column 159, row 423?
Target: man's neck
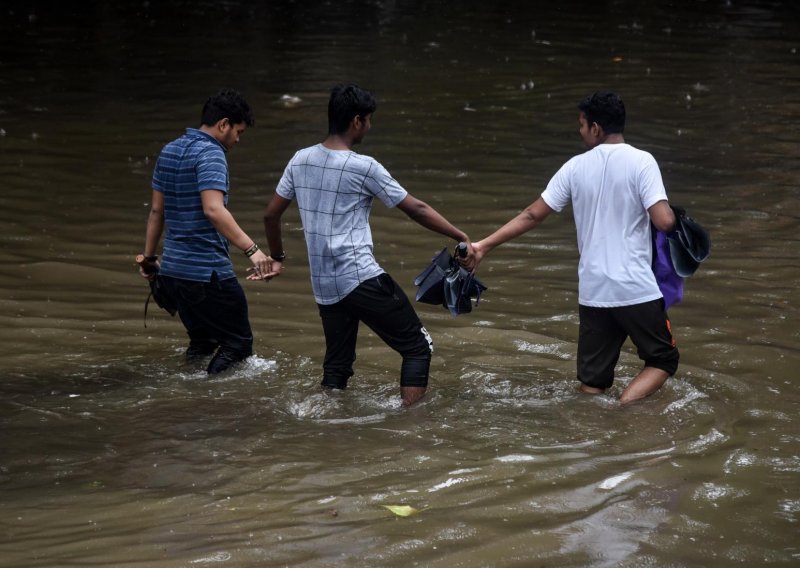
column 616, row 138
column 337, row 142
column 211, row 131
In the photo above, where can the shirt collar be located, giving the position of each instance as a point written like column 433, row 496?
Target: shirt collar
column 197, row 133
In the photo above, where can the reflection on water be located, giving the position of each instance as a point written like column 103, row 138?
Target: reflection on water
column 114, row 452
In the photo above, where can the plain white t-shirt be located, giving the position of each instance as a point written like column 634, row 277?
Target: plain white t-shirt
column 611, row 187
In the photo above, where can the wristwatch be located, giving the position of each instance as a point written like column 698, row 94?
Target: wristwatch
column 278, row 257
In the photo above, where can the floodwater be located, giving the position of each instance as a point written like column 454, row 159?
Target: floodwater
column 113, row 453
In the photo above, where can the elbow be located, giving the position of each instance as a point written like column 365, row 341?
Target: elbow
column 673, row 223
column 270, row 217
column 663, row 217
column 666, row 225
column 211, row 213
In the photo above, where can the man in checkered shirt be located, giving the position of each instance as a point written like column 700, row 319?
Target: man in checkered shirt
column 334, row 188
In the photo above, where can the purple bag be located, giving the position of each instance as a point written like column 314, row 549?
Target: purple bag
column 670, row 284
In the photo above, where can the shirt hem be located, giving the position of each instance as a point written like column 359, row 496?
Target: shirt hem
column 327, row 301
column 620, row 303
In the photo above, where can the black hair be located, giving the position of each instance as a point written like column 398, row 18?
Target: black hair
column 606, row 109
column 229, row 104
column 347, row 102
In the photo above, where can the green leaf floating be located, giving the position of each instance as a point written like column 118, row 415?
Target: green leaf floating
column 402, row 510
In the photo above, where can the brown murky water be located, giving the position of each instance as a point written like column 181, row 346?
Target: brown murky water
column 112, row 453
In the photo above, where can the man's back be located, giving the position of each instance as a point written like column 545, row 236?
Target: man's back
column 610, row 188
column 193, row 248
column 334, row 190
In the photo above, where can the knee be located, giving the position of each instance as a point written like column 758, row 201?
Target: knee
column 421, row 348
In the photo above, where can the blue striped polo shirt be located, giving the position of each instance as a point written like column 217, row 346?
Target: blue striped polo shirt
column 193, row 249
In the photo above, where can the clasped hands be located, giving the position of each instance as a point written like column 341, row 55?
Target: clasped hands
column 264, row 267
column 475, row 252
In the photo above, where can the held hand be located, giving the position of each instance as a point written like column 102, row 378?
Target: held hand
column 475, row 253
column 264, row 268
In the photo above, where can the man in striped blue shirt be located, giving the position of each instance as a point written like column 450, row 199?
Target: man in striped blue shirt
column 190, row 197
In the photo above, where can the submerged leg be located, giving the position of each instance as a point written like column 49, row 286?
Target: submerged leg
column 341, row 334
column 590, row 390
column 410, row 395
column 414, row 376
column 199, row 349
column 648, row 381
column 225, row 359
column 383, row 306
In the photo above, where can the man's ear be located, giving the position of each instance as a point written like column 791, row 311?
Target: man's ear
column 223, row 124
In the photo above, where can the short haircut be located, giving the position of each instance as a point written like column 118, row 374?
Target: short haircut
column 347, row 102
column 229, row 104
column 606, row 109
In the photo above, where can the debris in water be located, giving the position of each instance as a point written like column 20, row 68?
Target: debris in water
column 290, row 100
column 402, row 510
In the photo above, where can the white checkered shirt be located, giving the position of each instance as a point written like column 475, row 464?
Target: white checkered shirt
column 334, row 191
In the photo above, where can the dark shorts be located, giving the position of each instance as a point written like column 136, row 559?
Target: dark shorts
column 383, row 306
column 604, row 330
column 215, row 317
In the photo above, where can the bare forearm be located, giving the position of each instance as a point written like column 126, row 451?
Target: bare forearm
column 432, row 220
column 530, row 218
column 272, row 223
column 272, row 229
column 227, row 226
column 155, row 226
column 517, row 226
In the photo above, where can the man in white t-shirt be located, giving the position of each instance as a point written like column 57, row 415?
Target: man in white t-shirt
column 615, row 191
